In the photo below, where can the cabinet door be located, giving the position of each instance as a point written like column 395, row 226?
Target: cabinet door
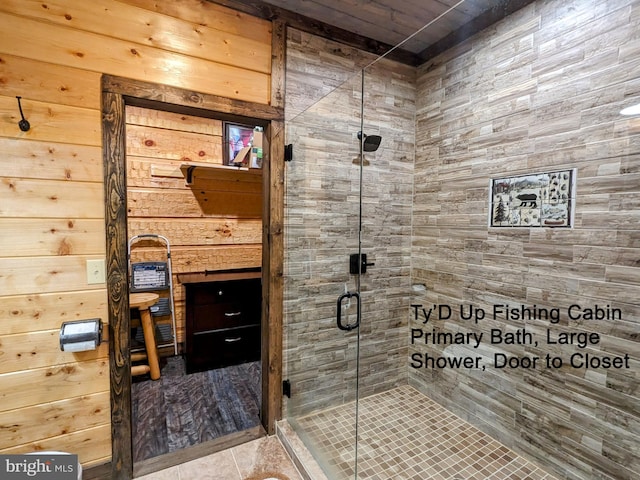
column 226, row 304
column 223, row 348
column 222, row 323
column 223, row 315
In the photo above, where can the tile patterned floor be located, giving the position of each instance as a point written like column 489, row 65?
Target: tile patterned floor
column 262, row 459
column 406, row 436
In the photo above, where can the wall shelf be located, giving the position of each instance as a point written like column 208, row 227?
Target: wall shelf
column 219, row 275
column 223, row 190
column 195, row 172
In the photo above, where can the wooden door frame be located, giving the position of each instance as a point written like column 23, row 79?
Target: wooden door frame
column 117, row 93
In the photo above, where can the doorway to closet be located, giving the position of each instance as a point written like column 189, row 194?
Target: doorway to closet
column 194, row 222
column 139, row 130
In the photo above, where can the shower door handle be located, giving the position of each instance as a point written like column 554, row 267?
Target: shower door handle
column 348, row 327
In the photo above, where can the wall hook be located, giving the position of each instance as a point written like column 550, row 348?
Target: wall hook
column 23, row 124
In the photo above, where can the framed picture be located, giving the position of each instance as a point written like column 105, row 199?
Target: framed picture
column 237, row 144
column 536, row 200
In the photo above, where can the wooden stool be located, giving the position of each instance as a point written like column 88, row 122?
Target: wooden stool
column 142, row 301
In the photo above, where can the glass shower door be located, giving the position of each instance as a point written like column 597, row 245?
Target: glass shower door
column 349, row 193
column 322, row 301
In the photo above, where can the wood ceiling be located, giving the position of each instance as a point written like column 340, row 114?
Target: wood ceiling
column 379, row 25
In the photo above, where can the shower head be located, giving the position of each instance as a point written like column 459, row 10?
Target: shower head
column 370, row 143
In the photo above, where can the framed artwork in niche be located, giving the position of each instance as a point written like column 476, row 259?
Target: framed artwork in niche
column 534, row 200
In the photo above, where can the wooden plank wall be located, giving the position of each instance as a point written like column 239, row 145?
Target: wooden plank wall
column 540, row 91
column 51, row 185
column 215, row 234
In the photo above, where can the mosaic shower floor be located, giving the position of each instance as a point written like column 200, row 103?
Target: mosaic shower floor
column 406, row 436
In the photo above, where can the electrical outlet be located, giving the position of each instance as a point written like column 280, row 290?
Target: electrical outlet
column 95, row 271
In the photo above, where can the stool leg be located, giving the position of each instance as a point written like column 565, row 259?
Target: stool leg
column 150, row 343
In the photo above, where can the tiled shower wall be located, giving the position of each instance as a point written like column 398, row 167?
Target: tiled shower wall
column 539, row 91
column 321, row 231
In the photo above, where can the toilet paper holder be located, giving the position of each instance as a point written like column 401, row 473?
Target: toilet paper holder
column 81, row 335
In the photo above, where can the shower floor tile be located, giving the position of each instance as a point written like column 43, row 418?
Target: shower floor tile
column 404, row 435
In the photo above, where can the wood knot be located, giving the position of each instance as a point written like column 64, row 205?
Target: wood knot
column 202, row 153
column 64, row 248
column 149, row 143
column 67, row 16
column 225, row 230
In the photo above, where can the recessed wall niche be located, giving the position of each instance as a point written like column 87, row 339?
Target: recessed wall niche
column 533, row 200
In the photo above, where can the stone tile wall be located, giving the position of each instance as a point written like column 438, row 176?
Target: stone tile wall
column 539, row 91
column 322, row 189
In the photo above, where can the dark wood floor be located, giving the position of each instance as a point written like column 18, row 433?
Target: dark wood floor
column 182, row 410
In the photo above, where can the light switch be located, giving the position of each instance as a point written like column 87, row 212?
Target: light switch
column 95, row 271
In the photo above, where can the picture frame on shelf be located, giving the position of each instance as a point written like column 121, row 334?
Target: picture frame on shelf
column 237, row 144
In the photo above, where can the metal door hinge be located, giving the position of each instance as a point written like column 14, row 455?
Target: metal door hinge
column 286, row 388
